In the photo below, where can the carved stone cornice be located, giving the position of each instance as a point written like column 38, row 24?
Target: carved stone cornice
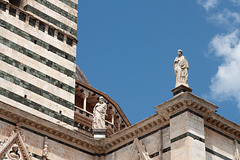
column 127, row 135
column 183, row 101
column 223, row 125
column 137, row 130
column 58, row 132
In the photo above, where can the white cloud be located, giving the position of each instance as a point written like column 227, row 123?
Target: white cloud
column 226, row 18
column 208, row 4
column 237, row 2
column 226, row 82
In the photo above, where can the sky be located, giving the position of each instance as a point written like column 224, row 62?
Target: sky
column 126, row 49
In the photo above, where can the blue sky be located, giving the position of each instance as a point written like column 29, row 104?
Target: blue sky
column 126, row 49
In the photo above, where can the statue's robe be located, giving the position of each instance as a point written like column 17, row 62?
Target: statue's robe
column 181, row 71
column 99, row 113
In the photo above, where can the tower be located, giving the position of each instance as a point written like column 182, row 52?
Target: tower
column 38, row 57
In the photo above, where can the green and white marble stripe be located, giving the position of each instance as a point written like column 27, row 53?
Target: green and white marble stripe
column 50, row 19
column 37, row 57
column 58, row 10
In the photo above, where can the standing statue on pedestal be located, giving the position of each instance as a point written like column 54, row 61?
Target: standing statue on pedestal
column 99, row 113
column 181, row 69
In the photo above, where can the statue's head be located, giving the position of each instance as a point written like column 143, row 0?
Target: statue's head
column 179, row 52
column 101, row 99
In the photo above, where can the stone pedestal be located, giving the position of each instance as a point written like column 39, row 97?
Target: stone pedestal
column 99, row 133
column 181, row 89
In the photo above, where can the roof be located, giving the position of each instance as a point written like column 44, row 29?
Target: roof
column 107, row 98
column 80, row 76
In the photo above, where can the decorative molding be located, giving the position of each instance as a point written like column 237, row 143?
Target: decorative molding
column 138, row 151
column 222, row 126
column 142, row 129
column 214, row 130
column 53, row 131
column 16, row 138
column 184, row 101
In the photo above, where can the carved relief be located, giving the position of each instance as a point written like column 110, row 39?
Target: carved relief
column 13, row 153
column 139, row 151
column 14, row 146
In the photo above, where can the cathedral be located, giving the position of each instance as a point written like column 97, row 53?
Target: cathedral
column 48, row 108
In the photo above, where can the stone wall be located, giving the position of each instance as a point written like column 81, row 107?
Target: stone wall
column 57, row 149
column 155, row 144
column 218, row 145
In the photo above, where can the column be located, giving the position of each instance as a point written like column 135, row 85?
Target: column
column 112, row 114
column 85, row 96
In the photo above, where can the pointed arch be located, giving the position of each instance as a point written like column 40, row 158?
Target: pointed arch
column 138, row 151
column 15, row 137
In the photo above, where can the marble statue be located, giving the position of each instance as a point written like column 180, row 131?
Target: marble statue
column 13, row 154
column 181, row 69
column 99, row 113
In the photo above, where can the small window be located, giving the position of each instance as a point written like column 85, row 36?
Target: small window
column 32, row 22
column 15, row 2
column 51, row 31
column 41, row 26
column 60, row 36
column 12, row 11
column 3, row 6
column 22, row 16
column 69, row 41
